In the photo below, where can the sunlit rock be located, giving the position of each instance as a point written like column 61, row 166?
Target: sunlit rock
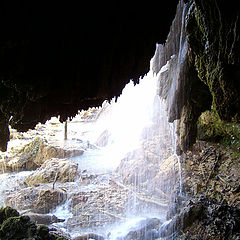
column 38, row 200
column 47, row 152
column 33, row 155
column 98, row 207
column 62, row 170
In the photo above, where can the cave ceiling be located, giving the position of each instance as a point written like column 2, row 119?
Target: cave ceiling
column 58, row 58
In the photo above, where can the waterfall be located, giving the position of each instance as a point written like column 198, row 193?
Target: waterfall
column 130, row 170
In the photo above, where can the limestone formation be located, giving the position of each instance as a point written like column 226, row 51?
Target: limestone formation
column 53, row 170
column 47, row 152
column 31, row 156
column 36, row 199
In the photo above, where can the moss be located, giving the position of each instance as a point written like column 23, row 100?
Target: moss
column 207, row 28
column 14, row 227
column 212, row 128
column 7, row 212
column 43, row 231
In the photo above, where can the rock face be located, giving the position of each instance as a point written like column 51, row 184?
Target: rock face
column 201, row 66
column 204, row 218
column 33, row 155
column 46, row 152
column 146, row 230
column 179, row 84
column 38, row 200
column 61, row 170
column 215, row 56
column 4, row 133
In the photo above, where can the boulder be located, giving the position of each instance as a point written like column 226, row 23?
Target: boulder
column 23, row 159
column 37, row 200
column 6, row 213
column 62, row 170
column 43, row 218
column 89, row 236
column 47, row 152
column 34, row 154
column 15, row 226
column 146, row 230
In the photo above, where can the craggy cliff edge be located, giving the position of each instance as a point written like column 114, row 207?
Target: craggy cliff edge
column 202, row 55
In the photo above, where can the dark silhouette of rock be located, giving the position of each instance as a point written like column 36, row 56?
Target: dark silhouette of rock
column 43, row 218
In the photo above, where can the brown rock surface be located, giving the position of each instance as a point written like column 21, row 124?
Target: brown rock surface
column 53, row 170
column 37, row 200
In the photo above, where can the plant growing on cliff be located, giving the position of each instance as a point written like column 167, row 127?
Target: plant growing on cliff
column 212, row 128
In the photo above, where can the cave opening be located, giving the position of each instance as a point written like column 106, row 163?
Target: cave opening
column 161, row 162
column 113, row 173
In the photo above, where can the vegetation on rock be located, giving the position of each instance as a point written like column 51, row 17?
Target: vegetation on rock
column 16, row 227
column 212, row 128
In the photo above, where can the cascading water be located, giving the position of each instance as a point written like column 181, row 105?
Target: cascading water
column 139, row 158
column 130, row 171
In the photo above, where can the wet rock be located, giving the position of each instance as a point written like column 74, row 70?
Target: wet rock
column 14, row 226
column 146, row 230
column 17, row 228
column 146, row 170
column 103, row 139
column 37, row 200
column 89, row 236
column 98, row 207
column 62, row 170
column 6, row 213
column 59, row 233
column 47, row 152
column 43, row 218
column 34, row 154
column 23, row 159
column 204, row 218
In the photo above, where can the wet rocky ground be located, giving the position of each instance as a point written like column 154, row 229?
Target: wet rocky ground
column 50, row 181
column 44, row 176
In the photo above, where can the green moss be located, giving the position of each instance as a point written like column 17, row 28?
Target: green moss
column 42, row 231
column 14, row 227
column 7, row 212
column 212, row 128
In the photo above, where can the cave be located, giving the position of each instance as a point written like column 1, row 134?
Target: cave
column 65, row 59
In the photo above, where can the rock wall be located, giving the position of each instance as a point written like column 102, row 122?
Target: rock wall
column 213, row 35
column 179, row 85
column 201, row 64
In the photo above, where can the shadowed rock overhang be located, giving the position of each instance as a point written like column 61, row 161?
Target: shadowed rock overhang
column 58, row 58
